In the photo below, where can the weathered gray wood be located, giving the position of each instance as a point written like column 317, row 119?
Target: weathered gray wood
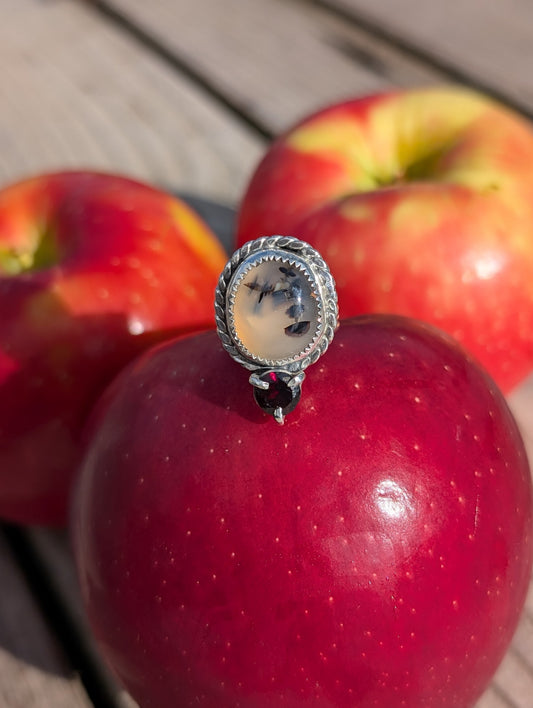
column 76, row 92
column 277, row 60
column 52, row 547
column 34, row 673
column 491, row 42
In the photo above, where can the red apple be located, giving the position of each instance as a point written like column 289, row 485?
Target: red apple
column 373, row 552
column 93, row 269
column 421, row 202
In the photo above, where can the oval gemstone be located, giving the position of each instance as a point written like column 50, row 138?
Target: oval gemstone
column 276, row 310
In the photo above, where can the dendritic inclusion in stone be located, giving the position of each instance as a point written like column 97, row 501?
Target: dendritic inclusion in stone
column 275, row 312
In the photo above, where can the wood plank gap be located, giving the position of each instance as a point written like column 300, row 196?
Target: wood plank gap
column 521, row 659
column 59, row 618
column 151, row 43
column 502, row 695
column 404, row 46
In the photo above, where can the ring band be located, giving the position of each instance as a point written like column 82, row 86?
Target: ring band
column 276, row 313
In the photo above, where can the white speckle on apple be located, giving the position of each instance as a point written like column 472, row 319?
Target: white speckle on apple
column 133, row 262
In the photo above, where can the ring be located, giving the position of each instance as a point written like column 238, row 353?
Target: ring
column 276, row 313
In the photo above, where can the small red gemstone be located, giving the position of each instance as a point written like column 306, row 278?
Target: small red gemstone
column 278, row 394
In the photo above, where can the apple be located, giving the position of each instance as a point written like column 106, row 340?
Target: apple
column 93, row 269
column 421, row 202
column 372, row 552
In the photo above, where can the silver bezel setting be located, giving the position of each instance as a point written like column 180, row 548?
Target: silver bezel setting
column 313, row 267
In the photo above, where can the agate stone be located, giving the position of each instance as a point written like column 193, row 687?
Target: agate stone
column 274, row 307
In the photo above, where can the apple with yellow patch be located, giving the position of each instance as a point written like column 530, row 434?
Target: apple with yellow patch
column 93, row 269
column 421, row 202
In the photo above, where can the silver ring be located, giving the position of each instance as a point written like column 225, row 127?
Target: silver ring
column 276, row 313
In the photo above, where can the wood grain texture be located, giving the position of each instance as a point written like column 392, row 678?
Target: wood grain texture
column 491, row 42
column 34, row 673
column 276, row 60
column 76, row 92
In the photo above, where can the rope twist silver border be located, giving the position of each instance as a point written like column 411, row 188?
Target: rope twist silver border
column 326, row 285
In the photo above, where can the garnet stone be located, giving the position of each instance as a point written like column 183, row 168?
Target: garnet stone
column 278, row 394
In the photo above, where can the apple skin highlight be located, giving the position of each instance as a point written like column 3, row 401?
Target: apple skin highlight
column 421, row 203
column 373, row 552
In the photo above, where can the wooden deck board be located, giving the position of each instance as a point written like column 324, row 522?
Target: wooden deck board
column 76, row 92
column 275, row 60
column 34, row 673
column 490, row 42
